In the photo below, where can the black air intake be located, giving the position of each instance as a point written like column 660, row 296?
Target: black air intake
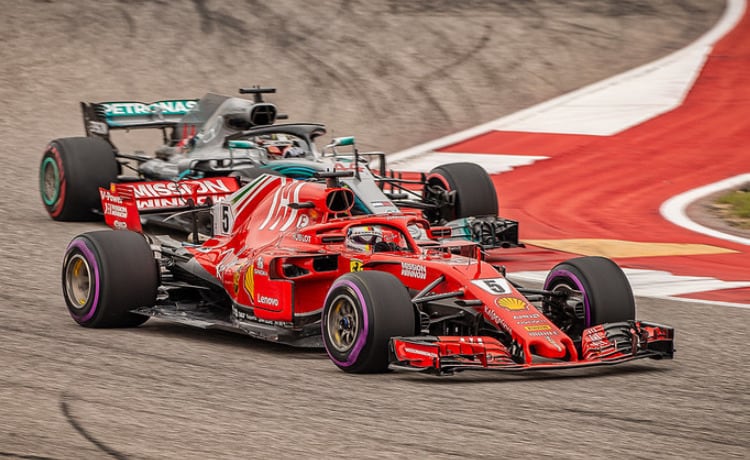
column 339, row 200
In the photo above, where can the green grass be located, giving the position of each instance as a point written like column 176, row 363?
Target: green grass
column 738, row 205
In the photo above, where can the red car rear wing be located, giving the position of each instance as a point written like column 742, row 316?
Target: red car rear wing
column 124, row 203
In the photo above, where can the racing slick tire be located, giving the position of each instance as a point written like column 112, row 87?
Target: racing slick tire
column 475, row 193
column 105, row 275
column 606, row 295
column 362, row 311
column 70, row 174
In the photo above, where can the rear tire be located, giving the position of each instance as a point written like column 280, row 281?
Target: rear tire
column 106, row 274
column 363, row 310
column 599, row 285
column 70, row 174
column 475, row 193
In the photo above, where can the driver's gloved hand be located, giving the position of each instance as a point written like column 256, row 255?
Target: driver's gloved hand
column 294, row 152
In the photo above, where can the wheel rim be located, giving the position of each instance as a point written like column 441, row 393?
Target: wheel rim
column 443, row 212
column 50, row 178
column 342, row 323
column 78, row 282
column 578, row 297
column 562, row 277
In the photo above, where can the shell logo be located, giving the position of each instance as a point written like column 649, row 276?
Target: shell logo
column 538, row 327
column 250, row 282
column 511, row 303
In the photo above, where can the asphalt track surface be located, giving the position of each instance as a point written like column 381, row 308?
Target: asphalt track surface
column 395, row 74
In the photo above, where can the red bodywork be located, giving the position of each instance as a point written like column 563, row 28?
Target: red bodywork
column 280, row 243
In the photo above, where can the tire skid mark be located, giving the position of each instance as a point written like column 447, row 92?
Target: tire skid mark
column 485, row 65
column 264, row 14
column 65, row 409
column 215, row 19
column 285, row 37
column 377, row 98
column 345, row 6
column 382, row 63
column 41, row 389
column 444, row 72
column 656, row 427
column 114, row 349
column 461, row 58
column 584, row 29
column 541, row 75
column 25, row 456
column 130, row 22
column 223, row 338
column 229, row 27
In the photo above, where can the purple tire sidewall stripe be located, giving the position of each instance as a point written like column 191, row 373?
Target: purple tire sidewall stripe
column 79, row 244
column 565, row 273
column 362, row 337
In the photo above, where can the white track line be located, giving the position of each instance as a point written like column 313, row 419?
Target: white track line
column 657, row 284
column 674, row 208
column 673, row 75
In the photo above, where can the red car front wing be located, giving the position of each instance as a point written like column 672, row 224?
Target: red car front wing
column 599, row 346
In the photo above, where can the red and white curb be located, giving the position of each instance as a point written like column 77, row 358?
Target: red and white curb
column 603, row 109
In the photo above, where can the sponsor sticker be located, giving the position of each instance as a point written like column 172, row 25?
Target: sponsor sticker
column 495, row 286
column 542, row 333
column 123, row 109
column 270, row 301
column 304, row 221
column 511, row 303
column 527, row 316
column 97, row 127
column 538, row 327
column 355, row 265
column 496, row 318
column 211, row 186
column 411, row 270
column 302, row 238
column 223, row 218
column 115, row 210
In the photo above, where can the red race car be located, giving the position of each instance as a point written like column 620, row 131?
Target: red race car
column 288, row 262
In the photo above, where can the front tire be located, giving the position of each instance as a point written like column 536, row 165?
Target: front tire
column 475, row 193
column 106, row 274
column 363, row 310
column 598, row 287
column 70, row 174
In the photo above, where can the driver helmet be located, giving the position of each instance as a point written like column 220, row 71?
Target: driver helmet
column 373, row 238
